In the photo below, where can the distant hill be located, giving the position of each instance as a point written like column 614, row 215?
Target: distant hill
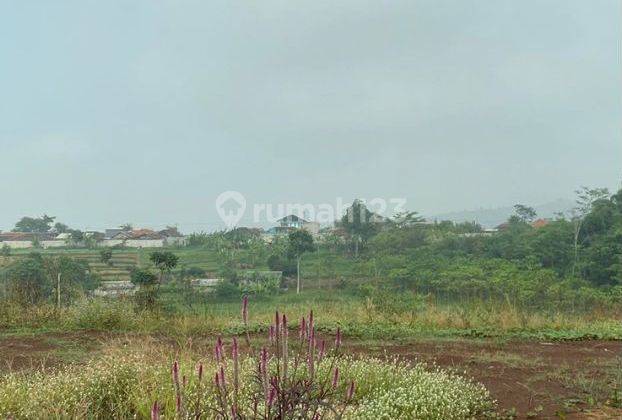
column 493, row 217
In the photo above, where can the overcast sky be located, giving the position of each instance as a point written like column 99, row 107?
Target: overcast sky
column 145, row 111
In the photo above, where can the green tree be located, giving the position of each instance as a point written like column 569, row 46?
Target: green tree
column 105, row 256
column 405, row 219
column 360, row 223
column 34, row 224
column 76, row 235
column 165, row 261
column 148, row 288
column 127, row 227
column 299, row 242
column 61, row 227
column 69, row 278
column 525, row 213
column 28, row 281
column 585, row 199
column 91, row 239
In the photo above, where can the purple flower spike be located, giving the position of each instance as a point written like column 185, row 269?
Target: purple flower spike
column 338, row 338
column 335, row 377
column 155, row 411
column 222, row 377
column 350, row 391
column 310, row 323
column 263, row 363
column 271, row 396
column 234, row 349
column 200, row 371
column 284, row 322
column 302, row 333
column 218, row 350
column 176, row 373
column 322, row 349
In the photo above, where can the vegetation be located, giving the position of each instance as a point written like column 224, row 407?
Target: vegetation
column 379, row 279
column 295, row 375
column 299, row 242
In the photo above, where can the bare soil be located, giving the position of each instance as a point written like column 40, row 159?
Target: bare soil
column 528, row 379
column 532, row 379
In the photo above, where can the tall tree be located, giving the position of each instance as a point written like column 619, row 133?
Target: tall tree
column 299, row 242
column 165, row 261
column 61, row 227
column 126, row 227
column 360, row 223
column 525, row 213
column 585, row 199
column 34, row 224
column 406, row 219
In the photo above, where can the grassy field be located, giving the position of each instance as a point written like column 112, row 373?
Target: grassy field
column 107, row 348
column 534, row 362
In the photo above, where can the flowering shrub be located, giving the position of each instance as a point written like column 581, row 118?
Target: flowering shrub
column 296, row 374
column 283, row 384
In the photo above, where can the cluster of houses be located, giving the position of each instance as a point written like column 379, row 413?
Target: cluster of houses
column 131, row 238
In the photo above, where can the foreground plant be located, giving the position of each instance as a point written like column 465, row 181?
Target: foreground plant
column 285, row 385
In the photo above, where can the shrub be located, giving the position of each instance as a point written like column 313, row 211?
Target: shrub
column 294, row 375
column 146, row 296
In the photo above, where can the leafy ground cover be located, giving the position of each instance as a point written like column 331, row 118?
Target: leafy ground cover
column 535, row 378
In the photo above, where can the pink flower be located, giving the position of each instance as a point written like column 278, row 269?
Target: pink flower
column 271, row 396
column 310, row 323
column 322, row 349
column 222, row 377
column 338, row 338
column 284, row 322
column 176, row 373
column 234, row 348
column 200, row 371
column 155, row 411
column 350, row 391
column 335, row 377
column 263, row 362
column 302, row 333
column 218, row 350
column 311, row 337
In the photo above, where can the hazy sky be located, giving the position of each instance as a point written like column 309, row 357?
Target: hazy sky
column 144, row 111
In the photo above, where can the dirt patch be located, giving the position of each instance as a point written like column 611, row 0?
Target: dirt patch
column 530, row 379
column 47, row 350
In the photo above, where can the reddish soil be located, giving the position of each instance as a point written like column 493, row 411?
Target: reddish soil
column 530, row 379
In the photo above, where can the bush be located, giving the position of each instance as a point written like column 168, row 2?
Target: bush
column 146, row 297
column 227, row 290
column 295, row 375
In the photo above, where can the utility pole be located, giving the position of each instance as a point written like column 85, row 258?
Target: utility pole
column 58, row 291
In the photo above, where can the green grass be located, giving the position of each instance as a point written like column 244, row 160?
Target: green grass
column 357, row 316
column 124, row 384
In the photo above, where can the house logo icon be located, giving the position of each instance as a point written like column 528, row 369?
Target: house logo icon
column 230, row 206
